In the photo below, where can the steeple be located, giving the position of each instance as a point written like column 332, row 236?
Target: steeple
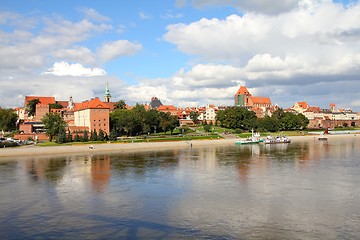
column 107, row 96
column 71, row 104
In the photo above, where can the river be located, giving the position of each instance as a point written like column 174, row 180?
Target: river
column 302, row 190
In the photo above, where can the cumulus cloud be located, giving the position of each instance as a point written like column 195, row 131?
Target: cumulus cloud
column 207, row 75
column 61, row 87
column 118, row 48
column 74, row 69
column 76, row 54
column 316, row 38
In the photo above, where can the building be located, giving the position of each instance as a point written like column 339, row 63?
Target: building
column 326, row 118
column 260, row 105
column 168, row 108
column 93, row 114
column 243, row 98
column 155, row 103
column 42, row 108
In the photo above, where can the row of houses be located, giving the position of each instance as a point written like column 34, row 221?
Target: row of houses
column 94, row 114
column 326, row 118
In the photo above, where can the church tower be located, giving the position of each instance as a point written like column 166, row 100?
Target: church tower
column 242, row 97
column 107, row 96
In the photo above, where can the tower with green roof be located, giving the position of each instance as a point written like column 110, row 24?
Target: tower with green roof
column 107, row 96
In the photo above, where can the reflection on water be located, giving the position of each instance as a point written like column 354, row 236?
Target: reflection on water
column 302, row 190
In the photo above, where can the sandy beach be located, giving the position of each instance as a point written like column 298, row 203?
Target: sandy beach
column 33, row 150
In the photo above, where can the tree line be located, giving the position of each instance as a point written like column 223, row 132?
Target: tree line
column 129, row 122
column 245, row 120
column 138, row 120
column 8, row 119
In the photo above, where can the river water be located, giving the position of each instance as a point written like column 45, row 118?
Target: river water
column 302, row 190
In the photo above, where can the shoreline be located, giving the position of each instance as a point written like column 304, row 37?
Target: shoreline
column 32, row 150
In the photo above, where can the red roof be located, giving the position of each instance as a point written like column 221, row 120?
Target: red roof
column 166, row 108
column 261, row 100
column 111, row 105
column 303, row 105
column 43, row 100
column 94, row 103
column 242, row 90
column 63, row 103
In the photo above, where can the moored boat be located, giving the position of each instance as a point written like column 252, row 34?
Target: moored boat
column 274, row 140
column 254, row 139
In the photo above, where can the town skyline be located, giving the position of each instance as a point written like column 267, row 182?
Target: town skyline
column 290, row 51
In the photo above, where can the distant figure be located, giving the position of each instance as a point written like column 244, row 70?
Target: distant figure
column 190, row 145
column 91, row 147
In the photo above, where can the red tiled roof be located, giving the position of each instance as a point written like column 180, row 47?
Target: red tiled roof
column 111, row 105
column 94, row 103
column 166, row 108
column 63, row 103
column 261, row 100
column 303, row 105
column 242, row 90
column 43, row 100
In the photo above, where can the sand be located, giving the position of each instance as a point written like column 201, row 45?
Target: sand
column 33, row 150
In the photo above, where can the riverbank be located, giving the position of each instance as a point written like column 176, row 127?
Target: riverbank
column 33, row 150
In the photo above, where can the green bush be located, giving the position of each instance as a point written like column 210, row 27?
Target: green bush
column 8, row 144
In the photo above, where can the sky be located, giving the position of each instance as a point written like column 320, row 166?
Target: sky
column 185, row 52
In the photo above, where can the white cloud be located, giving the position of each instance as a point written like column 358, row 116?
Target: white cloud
column 118, row 48
column 316, row 38
column 76, row 54
column 144, row 16
column 170, row 15
column 143, row 93
column 91, row 13
column 75, row 69
column 207, row 75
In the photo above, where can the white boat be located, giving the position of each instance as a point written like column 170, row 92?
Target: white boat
column 254, row 139
column 274, row 140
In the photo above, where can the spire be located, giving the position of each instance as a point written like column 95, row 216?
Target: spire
column 71, row 104
column 107, row 96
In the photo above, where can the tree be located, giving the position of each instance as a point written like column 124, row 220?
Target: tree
column 207, row 128
column 7, row 119
column 77, row 138
column 220, row 117
column 69, row 137
column 55, row 106
column 61, row 137
column 165, row 121
column 173, row 123
column 302, row 121
column 31, row 107
column 151, row 120
column 53, row 124
column 113, row 135
column 101, row 135
column 120, row 104
column 267, row 124
column 93, row 136
column 238, row 118
column 85, row 136
column 194, row 116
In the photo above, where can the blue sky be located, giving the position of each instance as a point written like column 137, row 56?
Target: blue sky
column 186, row 52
